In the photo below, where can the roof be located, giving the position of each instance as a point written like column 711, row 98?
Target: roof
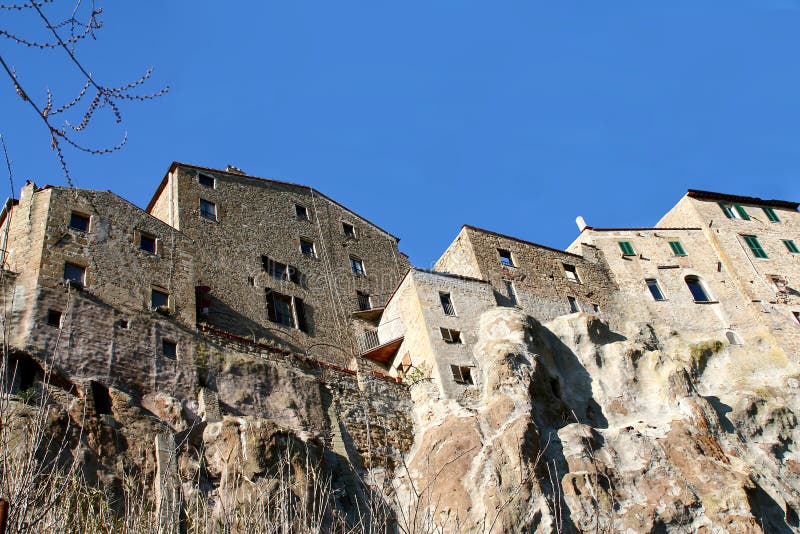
column 710, row 195
column 238, row 174
column 647, row 229
column 518, row 240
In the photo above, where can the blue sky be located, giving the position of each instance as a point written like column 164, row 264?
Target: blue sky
column 515, row 116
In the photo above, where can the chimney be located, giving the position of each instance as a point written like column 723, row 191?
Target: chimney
column 581, row 223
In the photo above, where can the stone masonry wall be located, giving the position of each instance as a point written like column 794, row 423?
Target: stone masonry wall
column 257, row 217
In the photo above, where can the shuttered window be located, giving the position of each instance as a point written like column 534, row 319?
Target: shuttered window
column 627, row 248
column 742, row 213
column 286, row 310
column 771, row 215
column 791, row 246
column 677, row 248
column 755, row 246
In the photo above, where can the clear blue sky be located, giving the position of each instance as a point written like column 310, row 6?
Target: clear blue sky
column 422, row 116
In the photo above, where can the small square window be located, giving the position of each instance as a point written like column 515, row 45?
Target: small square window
column 571, row 273
column 75, row 273
column 791, row 246
column 447, row 304
column 147, row 243
column 771, row 215
column 307, row 248
column 169, row 349
column 124, row 324
column 627, row 248
column 301, row 212
column 505, row 257
column 158, row 299
column 677, row 248
column 357, row 266
column 79, row 222
column 54, row 318
column 208, row 210
column 206, row 180
column 348, row 230
column 573, row 305
column 461, row 374
column 655, row 289
column 450, row 336
column 364, row 301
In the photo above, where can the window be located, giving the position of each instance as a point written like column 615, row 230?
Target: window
column 79, row 222
column 208, row 210
column 206, row 180
column 364, row 301
column 596, row 308
column 301, row 212
column 755, row 246
column 74, row 273
column 734, row 211
column 101, row 398
column 696, row 287
column 450, row 336
column 573, row 305
column 147, row 243
column 733, row 337
column 511, row 292
column 54, row 318
column 169, row 349
column 158, row 299
column 461, row 374
column 627, row 248
column 280, row 271
column 505, row 257
column 571, row 273
column 357, row 266
column 796, row 316
column 791, row 247
column 655, row 289
column 124, row 324
column 307, row 248
column 771, row 215
column 286, row 310
column 349, row 230
column 447, row 304
column 677, row 248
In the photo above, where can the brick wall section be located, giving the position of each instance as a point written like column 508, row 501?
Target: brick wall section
column 257, row 217
column 752, row 275
column 540, row 282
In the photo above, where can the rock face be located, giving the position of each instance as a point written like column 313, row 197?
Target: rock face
column 580, row 428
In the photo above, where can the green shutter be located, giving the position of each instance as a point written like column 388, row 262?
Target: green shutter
column 771, row 215
column 726, row 210
column 755, row 246
column 677, row 248
column 791, row 246
column 626, row 248
column 740, row 210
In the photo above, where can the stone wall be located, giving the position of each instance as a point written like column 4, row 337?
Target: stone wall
column 256, row 218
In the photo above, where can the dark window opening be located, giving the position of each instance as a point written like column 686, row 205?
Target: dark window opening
column 571, row 273
column 147, row 243
column 286, row 310
column 101, row 398
column 573, row 304
column 505, row 257
column 461, row 374
column 450, row 336
column 357, row 266
column 511, row 292
column 655, row 289
column 447, row 304
column 54, row 318
column 74, row 273
column 251, row 281
column 301, row 212
column 124, row 324
column 596, row 308
column 158, row 299
column 696, row 287
column 796, row 316
column 208, row 210
column 349, row 230
column 206, row 180
column 307, row 248
column 364, row 301
column 79, row 222
column 169, row 349
column 27, row 372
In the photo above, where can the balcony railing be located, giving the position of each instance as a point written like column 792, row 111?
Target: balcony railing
column 386, row 333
